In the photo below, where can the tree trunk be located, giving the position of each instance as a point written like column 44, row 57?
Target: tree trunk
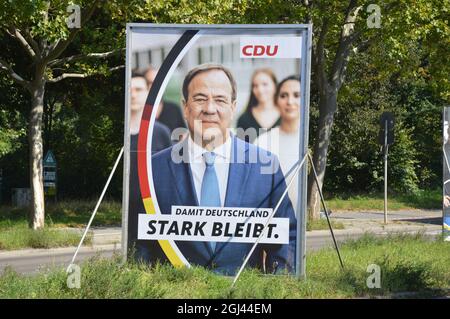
column 36, row 218
column 327, row 107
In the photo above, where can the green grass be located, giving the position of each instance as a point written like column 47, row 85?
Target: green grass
column 22, row 237
column 322, row 224
column 408, row 263
column 15, row 234
column 420, row 200
column 75, row 213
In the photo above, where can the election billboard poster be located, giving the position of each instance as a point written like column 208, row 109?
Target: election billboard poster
column 216, row 135
column 446, row 175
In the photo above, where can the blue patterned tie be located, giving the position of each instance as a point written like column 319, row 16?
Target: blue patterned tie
column 210, row 194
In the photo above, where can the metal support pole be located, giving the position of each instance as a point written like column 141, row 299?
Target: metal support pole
column 326, row 211
column 96, row 208
column 386, row 146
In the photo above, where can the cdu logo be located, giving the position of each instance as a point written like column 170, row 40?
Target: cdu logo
column 286, row 47
column 259, row 50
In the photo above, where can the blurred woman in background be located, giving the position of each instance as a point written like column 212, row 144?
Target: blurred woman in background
column 261, row 111
column 284, row 140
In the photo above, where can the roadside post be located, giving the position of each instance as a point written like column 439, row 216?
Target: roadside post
column 386, row 138
column 50, row 176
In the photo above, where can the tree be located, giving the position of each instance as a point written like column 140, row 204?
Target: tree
column 40, row 30
column 355, row 159
column 343, row 29
column 10, row 121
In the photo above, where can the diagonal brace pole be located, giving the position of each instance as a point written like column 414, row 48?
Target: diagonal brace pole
column 95, row 209
column 267, row 222
column 326, row 211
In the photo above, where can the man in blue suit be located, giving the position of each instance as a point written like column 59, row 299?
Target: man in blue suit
column 212, row 167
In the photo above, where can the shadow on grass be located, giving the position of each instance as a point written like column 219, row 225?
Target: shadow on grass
column 75, row 213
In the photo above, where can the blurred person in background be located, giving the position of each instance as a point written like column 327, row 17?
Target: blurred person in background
column 284, row 140
column 261, row 111
column 160, row 140
column 168, row 113
column 139, row 92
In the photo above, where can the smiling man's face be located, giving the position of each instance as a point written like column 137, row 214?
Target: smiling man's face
column 209, row 108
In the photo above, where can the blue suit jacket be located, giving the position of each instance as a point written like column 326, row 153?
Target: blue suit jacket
column 247, row 187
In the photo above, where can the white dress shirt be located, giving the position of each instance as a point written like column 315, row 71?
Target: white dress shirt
column 285, row 146
column 221, row 165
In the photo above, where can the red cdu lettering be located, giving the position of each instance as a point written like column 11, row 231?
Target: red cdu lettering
column 246, row 50
column 259, row 50
column 274, row 51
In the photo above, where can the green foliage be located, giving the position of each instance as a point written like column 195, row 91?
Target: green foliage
column 178, row 11
column 12, row 124
column 44, row 19
column 355, row 162
column 8, row 136
column 403, row 163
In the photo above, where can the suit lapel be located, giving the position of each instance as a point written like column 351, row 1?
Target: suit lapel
column 237, row 179
column 182, row 176
column 238, row 173
column 184, row 182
